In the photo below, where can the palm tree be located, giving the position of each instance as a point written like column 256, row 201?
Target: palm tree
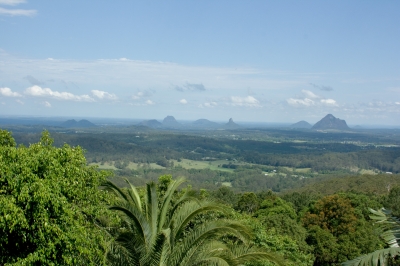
column 391, row 235
column 162, row 232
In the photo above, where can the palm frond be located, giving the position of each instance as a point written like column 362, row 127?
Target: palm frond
column 165, row 206
column 390, row 224
column 152, row 204
column 192, row 243
column 255, row 256
column 212, row 252
column 247, row 253
column 189, row 210
column 118, row 255
column 134, row 195
column 155, row 233
column 111, row 187
column 189, row 195
column 391, row 235
column 379, row 257
column 155, row 255
column 131, row 216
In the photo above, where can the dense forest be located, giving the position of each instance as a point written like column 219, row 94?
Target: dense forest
column 197, row 198
column 247, row 160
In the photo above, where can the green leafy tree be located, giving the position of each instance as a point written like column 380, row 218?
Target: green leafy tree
column 332, row 213
column 225, row 195
column 157, row 231
column 248, row 202
column 301, row 200
column 389, row 256
column 47, row 198
column 335, row 229
column 274, row 241
column 280, row 215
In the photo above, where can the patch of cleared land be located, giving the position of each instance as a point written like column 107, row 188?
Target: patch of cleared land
column 192, row 164
column 368, row 172
column 133, row 166
column 212, row 165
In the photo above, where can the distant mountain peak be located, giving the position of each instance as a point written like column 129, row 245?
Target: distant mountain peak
column 72, row 123
column 153, row 123
column 170, row 121
column 301, row 124
column 331, row 122
column 231, row 124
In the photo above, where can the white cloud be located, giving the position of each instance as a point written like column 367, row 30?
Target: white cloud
column 249, row 101
column 12, row 2
column 20, row 102
column 211, row 104
column 300, row 102
column 149, row 102
column 191, row 87
column 7, row 92
column 310, row 94
column 15, row 12
column 18, row 12
column 37, row 91
column 310, row 99
column 46, row 104
column 146, row 75
column 398, row 103
column 104, row 95
column 183, row 101
column 141, row 94
column 329, row 102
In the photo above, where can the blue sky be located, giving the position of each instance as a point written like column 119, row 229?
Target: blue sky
column 264, row 61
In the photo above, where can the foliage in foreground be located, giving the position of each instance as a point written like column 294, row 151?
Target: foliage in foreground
column 46, row 197
column 388, row 256
column 172, row 228
column 338, row 230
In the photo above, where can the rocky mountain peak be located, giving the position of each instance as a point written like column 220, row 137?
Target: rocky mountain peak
column 331, row 122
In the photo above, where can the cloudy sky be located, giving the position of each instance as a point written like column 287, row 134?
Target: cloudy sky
column 261, row 61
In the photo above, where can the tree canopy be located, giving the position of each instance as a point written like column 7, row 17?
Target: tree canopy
column 47, row 198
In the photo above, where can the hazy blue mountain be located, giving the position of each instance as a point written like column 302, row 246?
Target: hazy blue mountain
column 205, row 123
column 77, row 124
column 151, row 123
column 171, row 122
column 231, row 124
column 301, row 124
column 331, row 122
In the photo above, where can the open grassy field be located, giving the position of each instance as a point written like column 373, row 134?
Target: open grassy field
column 133, row 166
column 212, row 165
column 368, row 172
column 184, row 163
column 192, row 164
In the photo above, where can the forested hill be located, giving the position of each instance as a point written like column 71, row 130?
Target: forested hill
column 143, row 147
column 369, row 184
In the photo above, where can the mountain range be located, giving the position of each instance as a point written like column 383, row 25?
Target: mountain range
column 329, row 122
column 77, row 124
column 170, row 122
